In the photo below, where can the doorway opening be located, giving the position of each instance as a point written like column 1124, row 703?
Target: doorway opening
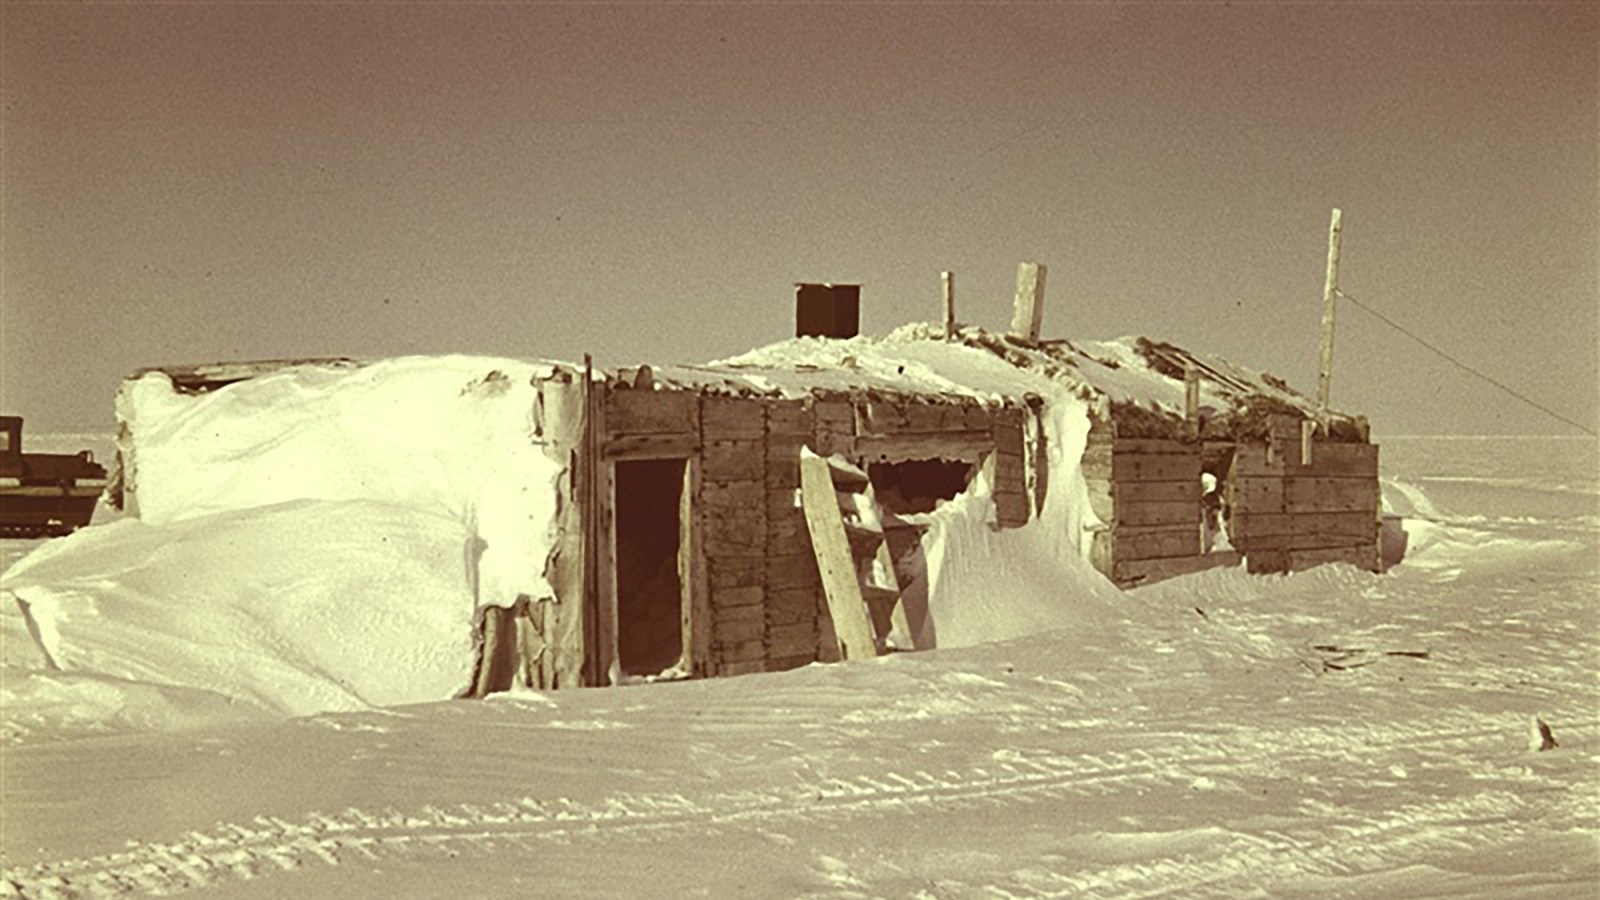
column 649, row 545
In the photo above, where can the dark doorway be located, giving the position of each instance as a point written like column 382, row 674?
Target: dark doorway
column 649, row 591
column 908, row 488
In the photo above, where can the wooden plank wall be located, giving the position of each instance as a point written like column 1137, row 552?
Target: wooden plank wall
column 1286, row 516
column 764, row 602
column 1155, row 492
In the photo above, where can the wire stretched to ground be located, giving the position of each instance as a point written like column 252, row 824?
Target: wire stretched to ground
column 1463, row 366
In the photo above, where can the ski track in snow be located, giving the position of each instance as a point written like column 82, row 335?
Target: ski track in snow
column 1344, row 842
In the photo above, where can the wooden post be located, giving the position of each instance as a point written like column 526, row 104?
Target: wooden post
column 1028, row 313
column 947, row 282
column 1330, row 291
column 1308, row 430
column 1191, row 399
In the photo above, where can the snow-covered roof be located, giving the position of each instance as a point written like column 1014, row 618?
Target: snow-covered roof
column 915, row 360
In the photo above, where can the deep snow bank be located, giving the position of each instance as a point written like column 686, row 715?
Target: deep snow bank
column 295, row 608
column 453, row 436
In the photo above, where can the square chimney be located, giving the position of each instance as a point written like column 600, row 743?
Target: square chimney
column 827, row 310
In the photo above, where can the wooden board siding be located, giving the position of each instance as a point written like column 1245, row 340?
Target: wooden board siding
column 1287, row 515
column 1155, row 492
column 632, row 411
column 792, row 610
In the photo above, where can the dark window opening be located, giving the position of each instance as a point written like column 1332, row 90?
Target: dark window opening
column 906, row 488
column 649, row 591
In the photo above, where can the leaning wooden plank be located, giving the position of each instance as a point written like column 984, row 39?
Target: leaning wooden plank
column 839, row 581
column 965, row 446
column 1155, row 467
column 1331, row 494
column 632, row 411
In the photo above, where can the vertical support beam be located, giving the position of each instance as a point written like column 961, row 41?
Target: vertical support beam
column 1028, row 313
column 1191, row 399
column 1308, row 430
column 1330, row 291
column 947, row 284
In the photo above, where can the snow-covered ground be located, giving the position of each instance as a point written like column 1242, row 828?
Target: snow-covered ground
column 1330, row 733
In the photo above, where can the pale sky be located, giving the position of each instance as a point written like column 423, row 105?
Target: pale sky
column 191, row 182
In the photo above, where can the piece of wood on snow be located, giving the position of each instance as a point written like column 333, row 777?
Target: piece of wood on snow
column 846, row 605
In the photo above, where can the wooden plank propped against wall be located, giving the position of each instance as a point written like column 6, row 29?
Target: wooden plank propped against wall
column 832, row 549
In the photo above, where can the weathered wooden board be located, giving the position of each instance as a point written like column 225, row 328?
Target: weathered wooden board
column 788, row 417
column 1331, row 495
column 888, row 417
column 786, row 663
column 783, row 502
column 692, row 561
column 1339, row 461
column 1155, row 467
column 792, row 570
column 1008, row 469
column 735, row 536
column 788, row 531
column 751, row 667
column 651, row 412
column 1357, row 524
column 1158, row 542
column 1253, row 495
column 835, row 425
column 726, row 629
column 1256, row 459
column 733, row 494
column 1312, row 541
column 966, row 446
column 1134, row 492
column 746, row 595
column 736, row 571
column 1154, row 447
column 792, row 606
column 846, row 607
column 732, row 417
column 651, row 446
column 1010, row 474
column 1136, row 513
column 740, row 651
column 736, row 460
column 1008, row 437
column 796, row 639
column 1011, row 509
column 1148, row 571
column 1362, row 557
